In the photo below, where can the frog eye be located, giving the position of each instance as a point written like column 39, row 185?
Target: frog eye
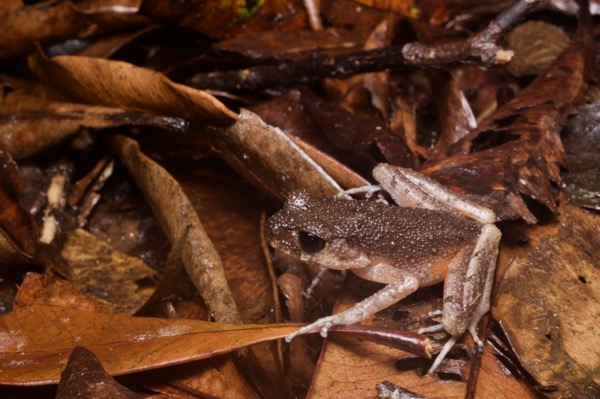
column 310, row 242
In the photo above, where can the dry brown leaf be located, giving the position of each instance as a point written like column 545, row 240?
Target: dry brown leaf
column 23, row 26
column 210, row 378
column 529, row 155
column 495, row 382
column 177, row 216
column 40, row 289
column 270, row 159
column 231, row 212
column 110, row 275
column 548, row 307
column 119, row 84
column 536, row 44
column 84, row 377
column 37, row 340
column 351, row 368
column 29, row 124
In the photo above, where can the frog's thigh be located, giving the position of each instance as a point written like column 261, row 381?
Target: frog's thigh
column 410, row 188
column 469, row 282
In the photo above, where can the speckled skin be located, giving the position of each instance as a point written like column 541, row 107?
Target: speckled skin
column 365, row 234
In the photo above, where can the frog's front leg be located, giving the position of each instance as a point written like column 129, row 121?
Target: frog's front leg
column 382, row 299
column 467, row 289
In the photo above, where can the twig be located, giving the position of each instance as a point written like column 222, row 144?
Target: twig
column 480, row 49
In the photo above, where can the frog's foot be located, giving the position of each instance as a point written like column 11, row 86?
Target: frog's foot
column 442, row 354
column 434, row 328
column 479, row 342
column 324, row 324
column 315, row 281
column 431, row 329
column 367, row 190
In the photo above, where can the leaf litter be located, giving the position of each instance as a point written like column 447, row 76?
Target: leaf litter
column 483, row 132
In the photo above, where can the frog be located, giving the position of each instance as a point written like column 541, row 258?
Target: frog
column 431, row 235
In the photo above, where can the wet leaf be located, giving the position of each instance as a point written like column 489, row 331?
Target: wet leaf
column 38, row 340
column 548, row 307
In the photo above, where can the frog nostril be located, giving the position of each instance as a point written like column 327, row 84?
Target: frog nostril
column 310, row 242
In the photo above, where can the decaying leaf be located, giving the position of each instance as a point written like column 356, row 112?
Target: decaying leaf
column 36, row 341
column 40, row 289
column 110, row 275
column 548, row 306
column 529, row 155
column 176, row 215
column 582, row 145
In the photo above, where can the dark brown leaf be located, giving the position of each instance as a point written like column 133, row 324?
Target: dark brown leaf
column 517, row 150
column 84, row 377
column 582, row 144
column 30, row 124
column 16, row 223
column 26, row 25
column 213, row 18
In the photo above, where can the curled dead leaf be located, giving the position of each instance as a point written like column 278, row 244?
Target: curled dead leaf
column 176, row 215
column 119, row 84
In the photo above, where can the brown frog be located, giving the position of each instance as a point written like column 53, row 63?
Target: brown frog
column 434, row 235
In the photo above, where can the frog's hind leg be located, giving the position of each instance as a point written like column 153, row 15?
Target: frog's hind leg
column 468, row 288
column 412, row 189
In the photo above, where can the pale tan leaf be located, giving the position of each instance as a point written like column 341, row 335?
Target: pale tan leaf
column 177, row 216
